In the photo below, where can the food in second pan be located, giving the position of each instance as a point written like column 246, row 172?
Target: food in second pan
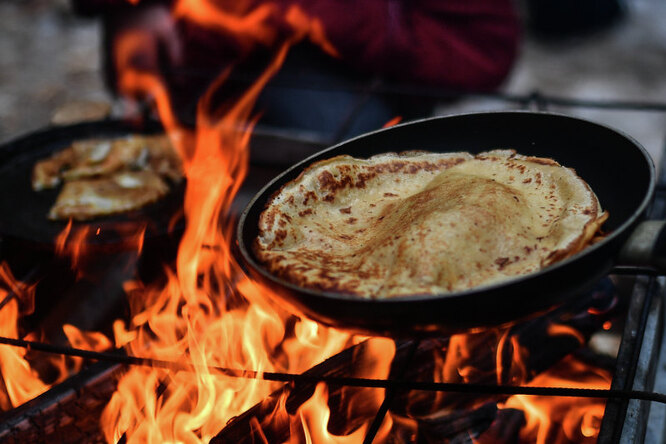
column 115, row 193
column 425, row 223
column 108, row 176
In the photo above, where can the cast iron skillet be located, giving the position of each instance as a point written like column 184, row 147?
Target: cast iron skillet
column 617, row 168
column 23, row 211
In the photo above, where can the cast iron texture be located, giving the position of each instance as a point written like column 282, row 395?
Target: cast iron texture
column 617, row 168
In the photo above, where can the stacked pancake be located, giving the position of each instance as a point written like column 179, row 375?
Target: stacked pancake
column 425, row 223
column 108, row 176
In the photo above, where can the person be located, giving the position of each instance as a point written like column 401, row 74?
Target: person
column 462, row 45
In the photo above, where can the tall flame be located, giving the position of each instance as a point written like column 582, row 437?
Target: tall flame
column 553, row 419
column 208, row 312
column 20, row 382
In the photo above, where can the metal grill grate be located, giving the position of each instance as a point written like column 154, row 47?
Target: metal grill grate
column 69, row 412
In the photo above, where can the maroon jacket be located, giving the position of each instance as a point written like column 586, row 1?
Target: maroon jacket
column 461, row 44
column 468, row 44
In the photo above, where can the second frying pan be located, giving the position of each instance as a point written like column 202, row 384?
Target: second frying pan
column 617, row 168
column 23, row 220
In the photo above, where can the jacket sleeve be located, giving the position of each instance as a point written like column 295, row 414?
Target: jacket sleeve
column 466, row 44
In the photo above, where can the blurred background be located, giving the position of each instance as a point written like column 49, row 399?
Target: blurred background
column 595, row 52
column 50, row 62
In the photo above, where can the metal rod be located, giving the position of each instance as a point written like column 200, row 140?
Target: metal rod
column 7, row 298
column 389, row 396
column 341, row 381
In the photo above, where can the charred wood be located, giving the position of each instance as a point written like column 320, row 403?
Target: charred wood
column 524, row 350
column 67, row 413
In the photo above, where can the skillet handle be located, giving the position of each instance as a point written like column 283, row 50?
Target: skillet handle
column 646, row 245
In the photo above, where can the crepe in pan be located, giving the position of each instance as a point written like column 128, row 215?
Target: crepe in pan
column 108, row 176
column 425, row 223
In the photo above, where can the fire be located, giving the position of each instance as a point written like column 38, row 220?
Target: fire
column 564, row 330
column 553, row 419
column 501, row 356
column 86, row 340
column 354, row 407
column 20, row 380
column 72, row 244
column 208, row 312
column 314, row 415
column 392, row 122
column 251, row 25
column 78, row 246
column 20, row 383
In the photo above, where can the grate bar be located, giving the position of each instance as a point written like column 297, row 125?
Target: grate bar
column 347, row 381
column 389, row 396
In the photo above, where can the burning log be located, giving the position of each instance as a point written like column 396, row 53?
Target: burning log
column 510, row 356
column 261, row 420
column 68, row 413
column 486, row 424
column 438, row 426
column 504, row 428
column 523, row 351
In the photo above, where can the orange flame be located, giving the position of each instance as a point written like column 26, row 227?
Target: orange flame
column 86, row 340
column 77, row 243
column 565, row 330
column 310, row 425
column 209, row 312
column 20, row 383
column 392, row 122
column 93, row 341
column 72, row 244
column 561, row 419
column 314, row 415
column 261, row 25
column 551, row 419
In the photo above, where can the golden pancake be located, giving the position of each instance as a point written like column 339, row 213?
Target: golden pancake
column 100, row 157
column 424, row 223
column 123, row 191
column 48, row 173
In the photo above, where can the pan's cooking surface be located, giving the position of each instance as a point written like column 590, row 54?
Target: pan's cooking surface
column 618, row 170
column 24, row 210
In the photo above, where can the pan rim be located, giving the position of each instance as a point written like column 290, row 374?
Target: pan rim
column 420, row 297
